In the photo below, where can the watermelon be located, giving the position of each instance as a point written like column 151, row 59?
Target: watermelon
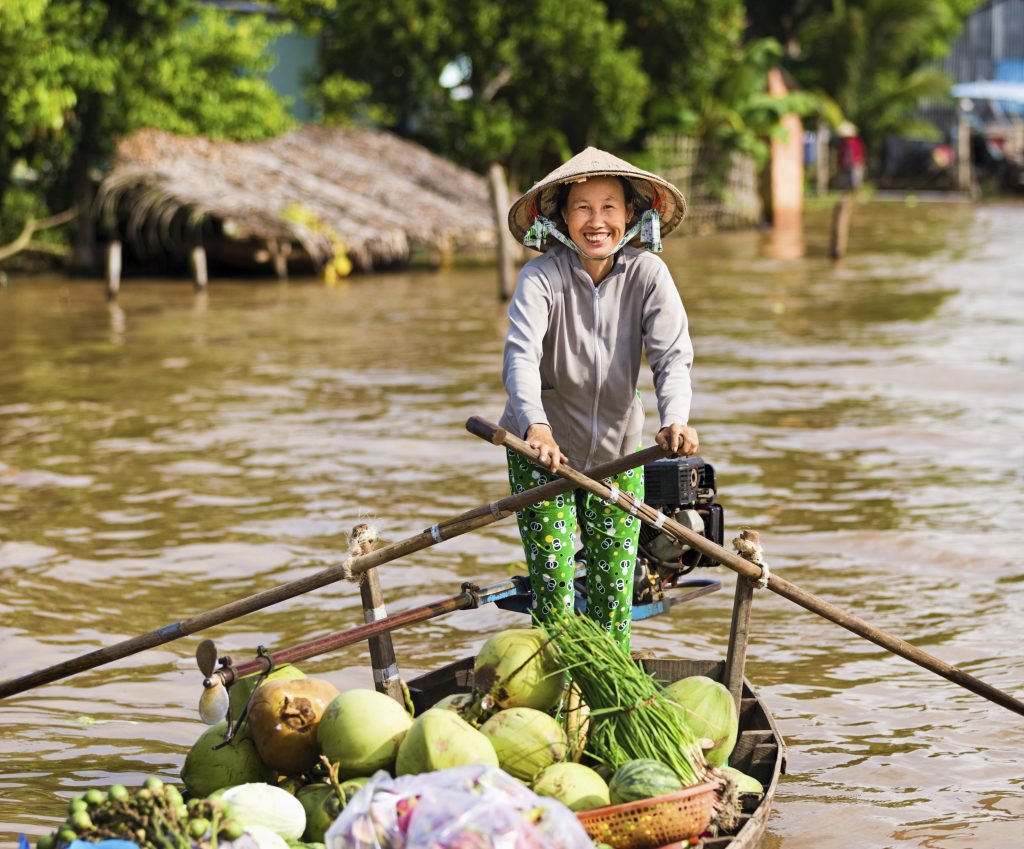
column 642, row 778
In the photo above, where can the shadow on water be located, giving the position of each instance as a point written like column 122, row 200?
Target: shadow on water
column 173, row 452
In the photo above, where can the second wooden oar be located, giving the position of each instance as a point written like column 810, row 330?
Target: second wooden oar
column 463, row 523
column 743, row 567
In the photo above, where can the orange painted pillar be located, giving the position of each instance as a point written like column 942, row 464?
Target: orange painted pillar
column 787, row 167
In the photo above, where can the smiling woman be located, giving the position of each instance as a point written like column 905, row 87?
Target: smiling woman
column 581, row 320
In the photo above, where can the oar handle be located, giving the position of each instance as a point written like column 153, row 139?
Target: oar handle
column 778, row 585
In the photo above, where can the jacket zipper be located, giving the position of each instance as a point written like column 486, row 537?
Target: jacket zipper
column 597, row 380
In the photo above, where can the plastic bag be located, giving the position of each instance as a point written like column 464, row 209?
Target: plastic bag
column 467, row 807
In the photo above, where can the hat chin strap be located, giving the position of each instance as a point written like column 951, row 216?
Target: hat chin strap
column 649, row 228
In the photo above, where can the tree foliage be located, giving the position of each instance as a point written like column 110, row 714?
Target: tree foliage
column 76, row 75
column 875, row 60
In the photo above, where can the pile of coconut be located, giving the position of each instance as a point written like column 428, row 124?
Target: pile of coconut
column 303, row 735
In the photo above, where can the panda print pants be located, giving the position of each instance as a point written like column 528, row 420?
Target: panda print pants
column 609, row 537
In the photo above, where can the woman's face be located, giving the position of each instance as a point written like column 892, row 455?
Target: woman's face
column 596, row 215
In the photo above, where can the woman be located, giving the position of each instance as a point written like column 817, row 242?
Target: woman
column 582, row 317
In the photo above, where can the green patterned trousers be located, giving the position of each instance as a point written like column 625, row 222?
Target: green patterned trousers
column 609, row 536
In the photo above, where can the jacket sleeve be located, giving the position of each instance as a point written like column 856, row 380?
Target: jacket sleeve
column 524, row 344
column 669, row 349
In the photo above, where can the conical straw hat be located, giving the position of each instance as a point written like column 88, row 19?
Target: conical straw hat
column 542, row 198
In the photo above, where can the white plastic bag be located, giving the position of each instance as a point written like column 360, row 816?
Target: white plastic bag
column 468, row 807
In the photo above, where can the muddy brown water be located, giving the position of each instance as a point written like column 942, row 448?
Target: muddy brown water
column 170, row 454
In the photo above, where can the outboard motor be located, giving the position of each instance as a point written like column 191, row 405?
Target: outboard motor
column 683, row 488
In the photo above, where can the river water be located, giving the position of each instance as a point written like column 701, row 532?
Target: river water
column 175, row 452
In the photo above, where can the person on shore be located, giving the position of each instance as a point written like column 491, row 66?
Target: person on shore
column 851, row 157
column 583, row 315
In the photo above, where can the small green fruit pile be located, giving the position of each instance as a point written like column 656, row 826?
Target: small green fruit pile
column 155, row 816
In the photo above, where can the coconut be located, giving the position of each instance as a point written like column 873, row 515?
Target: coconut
column 461, row 703
column 207, row 768
column 517, row 668
column 283, row 719
column 709, row 711
column 744, row 783
column 526, row 741
column 440, row 739
column 322, row 807
column 240, row 690
column 360, row 731
column 576, row 786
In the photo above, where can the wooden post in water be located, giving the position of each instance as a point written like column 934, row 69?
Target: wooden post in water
column 963, row 148
column 506, row 244
column 824, row 162
column 382, row 650
column 197, row 263
column 113, row 269
column 841, row 226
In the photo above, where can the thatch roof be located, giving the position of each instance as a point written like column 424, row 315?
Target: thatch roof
column 312, row 189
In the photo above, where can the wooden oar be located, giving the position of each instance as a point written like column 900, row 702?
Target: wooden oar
column 456, row 526
column 651, row 516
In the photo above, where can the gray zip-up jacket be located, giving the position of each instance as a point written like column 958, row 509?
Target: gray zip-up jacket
column 574, row 350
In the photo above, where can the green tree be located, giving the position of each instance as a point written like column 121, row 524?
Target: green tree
column 874, row 61
column 477, row 80
column 76, row 75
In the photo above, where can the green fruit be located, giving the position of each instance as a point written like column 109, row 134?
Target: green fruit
column 81, row 821
column 440, row 739
column 576, row 786
column 198, row 828
column 208, row 768
column 45, row 842
column 517, row 668
column 642, row 779
column 231, row 829
column 708, row 709
column 95, row 797
column 77, row 804
column 118, row 793
column 66, row 834
column 322, row 807
column 361, row 731
column 526, row 741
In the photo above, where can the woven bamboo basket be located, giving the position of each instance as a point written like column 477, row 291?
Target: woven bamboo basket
column 653, row 822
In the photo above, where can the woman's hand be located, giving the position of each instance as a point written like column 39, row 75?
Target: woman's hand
column 679, row 439
column 540, row 437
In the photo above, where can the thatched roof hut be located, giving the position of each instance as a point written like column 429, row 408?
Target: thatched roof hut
column 308, row 195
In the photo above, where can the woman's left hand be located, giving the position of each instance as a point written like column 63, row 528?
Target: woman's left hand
column 679, row 439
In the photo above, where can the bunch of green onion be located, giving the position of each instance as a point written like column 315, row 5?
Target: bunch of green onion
column 629, row 716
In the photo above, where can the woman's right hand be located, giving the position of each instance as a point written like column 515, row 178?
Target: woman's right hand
column 540, row 438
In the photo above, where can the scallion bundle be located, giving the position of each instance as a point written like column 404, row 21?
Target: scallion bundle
column 629, row 717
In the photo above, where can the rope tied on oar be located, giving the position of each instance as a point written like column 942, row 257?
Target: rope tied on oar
column 748, row 546
column 361, row 540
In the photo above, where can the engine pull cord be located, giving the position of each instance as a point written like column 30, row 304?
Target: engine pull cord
column 748, row 546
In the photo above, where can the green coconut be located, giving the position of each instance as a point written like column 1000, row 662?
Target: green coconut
column 709, row 711
column 240, row 690
column 207, row 768
column 361, row 730
column 461, row 703
column 322, row 807
column 576, row 786
column 517, row 668
column 441, row 739
column 744, row 783
column 526, row 741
